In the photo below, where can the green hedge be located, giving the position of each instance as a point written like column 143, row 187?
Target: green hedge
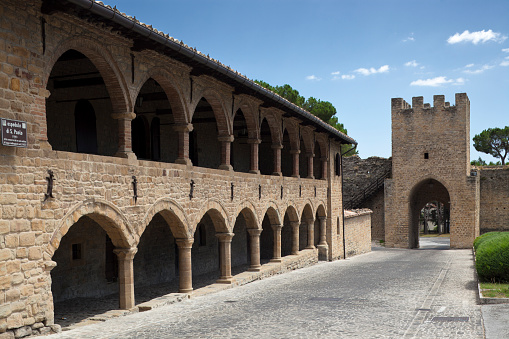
column 492, row 256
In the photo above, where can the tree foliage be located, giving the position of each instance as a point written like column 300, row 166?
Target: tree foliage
column 493, row 141
column 321, row 109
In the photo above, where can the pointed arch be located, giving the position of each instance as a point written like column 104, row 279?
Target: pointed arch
column 220, row 109
column 105, row 64
column 248, row 210
column 104, row 213
column 250, row 115
column 274, row 214
column 275, row 125
column 292, row 212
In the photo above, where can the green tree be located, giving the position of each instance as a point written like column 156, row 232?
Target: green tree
column 493, row 141
column 321, row 109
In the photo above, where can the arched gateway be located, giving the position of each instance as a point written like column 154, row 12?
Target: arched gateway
column 431, row 162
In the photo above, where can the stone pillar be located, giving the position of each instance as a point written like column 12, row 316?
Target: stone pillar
column 185, row 265
column 254, row 235
column 276, row 229
column 311, row 234
column 125, row 148
column 226, row 141
column 276, row 150
column 324, row 168
column 310, row 165
column 254, row 155
column 125, row 277
column 323, row 247
column 295, row 158
column 183, row 131
column 225, row 257
column 295, row 237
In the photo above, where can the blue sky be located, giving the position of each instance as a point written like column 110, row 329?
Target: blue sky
column 356, row 54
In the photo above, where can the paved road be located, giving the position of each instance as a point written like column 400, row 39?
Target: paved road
column 388, row 293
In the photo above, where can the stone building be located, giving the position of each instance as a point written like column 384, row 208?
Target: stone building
column 147, row 161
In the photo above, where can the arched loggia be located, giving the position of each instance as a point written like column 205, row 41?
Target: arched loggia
column 240, row 149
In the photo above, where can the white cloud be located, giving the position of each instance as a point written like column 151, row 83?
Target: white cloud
column 313, row 78
column 476, row 37
column 505, row 50
column 410, row 38
column 366, row 71
column 437, row 82
column 412, row 63
column 477, row 71
column 505, row 62
column 348, row 77
column 336, row 73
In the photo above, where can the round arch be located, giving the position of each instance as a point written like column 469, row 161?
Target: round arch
column 425, row 190
column 273, row 213
column 217, row 213
column 216, row 101
column 275, row 127
column 320, row 210
column 173, row 90
column 249, row 213
column 105, row 64
column 107, row 215
column 172, row 213
column 249, row 115
column 292, row 212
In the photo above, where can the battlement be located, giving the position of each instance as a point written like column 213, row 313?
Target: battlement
column 438, row 102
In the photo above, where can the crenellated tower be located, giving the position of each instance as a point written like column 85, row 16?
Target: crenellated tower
column 431, row 161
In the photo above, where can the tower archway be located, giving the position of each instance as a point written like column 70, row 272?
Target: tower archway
column 423, row 193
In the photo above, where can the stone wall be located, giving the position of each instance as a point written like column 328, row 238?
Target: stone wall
column 494, row 201
column 357, row 232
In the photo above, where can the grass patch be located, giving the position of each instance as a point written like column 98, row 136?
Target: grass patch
column 434, row 235
column 495, row 290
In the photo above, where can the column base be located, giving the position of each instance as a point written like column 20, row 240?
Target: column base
column 255, row 268
column 276, row 260
column 185, row 290
column 309, row 247
column 295, row 253
column 311, row 177
column 184, row 161
column 278, row 174
column 126, row 155
column 296, row 176
column 323, row 252
column 226, row 167
column 224, row 280
column 254, row 171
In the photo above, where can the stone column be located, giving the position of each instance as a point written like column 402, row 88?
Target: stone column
column 324, row 168
column 185, row 265
column 276, row 150
column 226, row 141
column 125, row 148
column 254, row 155
column 254, row 235
column 323, row 231
column 276, row 229
column 310, row 165
column 295, row 158
column 183, row 131
column 125, row 277
column 311, row 234
column 225, row 257
column 295, row 237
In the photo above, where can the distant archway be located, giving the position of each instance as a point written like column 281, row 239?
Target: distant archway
column 426, row 191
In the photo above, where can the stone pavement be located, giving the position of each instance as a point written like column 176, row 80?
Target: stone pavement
column 388, row 293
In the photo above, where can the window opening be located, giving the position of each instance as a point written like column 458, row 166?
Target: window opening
column 76, row 251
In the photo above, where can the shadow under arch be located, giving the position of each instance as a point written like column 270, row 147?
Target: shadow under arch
column 426, row 190
column 107, row 215
column 105, row 64
column 172, row 213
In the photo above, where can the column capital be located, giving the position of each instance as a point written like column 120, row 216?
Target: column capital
column 295, row 224
column 310, row 221
column 322, row 217
column 183, row 127
column 277, row 227
column 324, row 158
column 276, row 146
column 254, row 232
column 185, row 242
column 123, row 116
column 253, row 141
column 225, row 138
column 310, row 154
column 295, row 151
column 225, row 237
column 125, row 253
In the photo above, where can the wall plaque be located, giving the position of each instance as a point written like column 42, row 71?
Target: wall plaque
column 14, row 133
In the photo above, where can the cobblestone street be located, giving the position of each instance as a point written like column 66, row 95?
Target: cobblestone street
column 388, row 293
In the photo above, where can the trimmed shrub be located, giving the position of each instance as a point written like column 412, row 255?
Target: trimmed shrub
column 492, row 257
